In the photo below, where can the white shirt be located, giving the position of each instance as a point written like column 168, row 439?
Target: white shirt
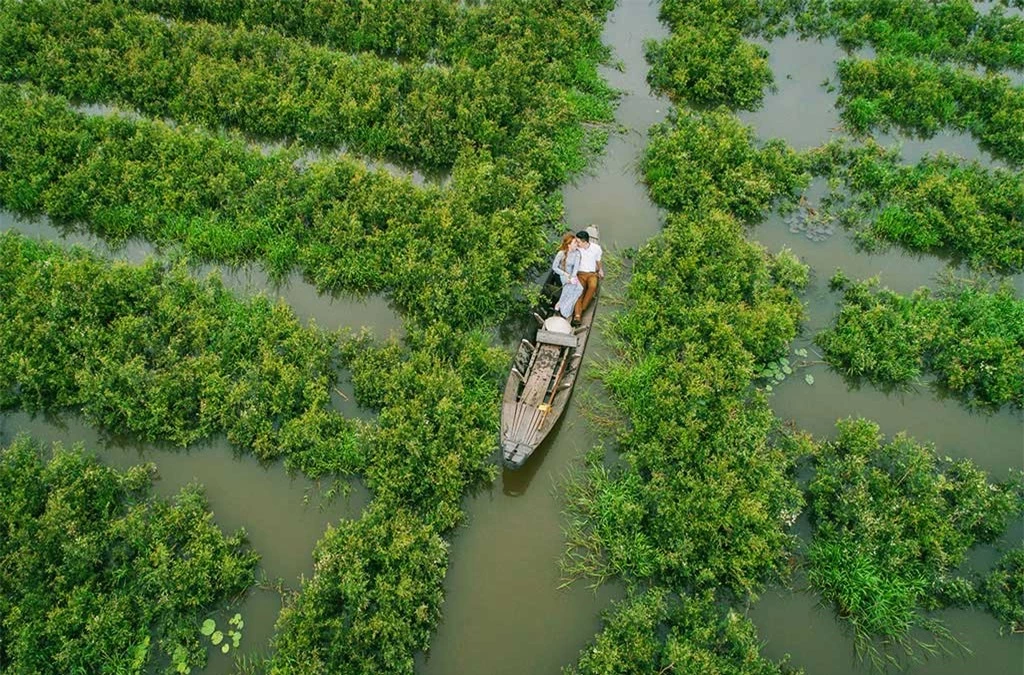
column 589, row 258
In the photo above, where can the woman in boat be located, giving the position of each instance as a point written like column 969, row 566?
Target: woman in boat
column 567, row 259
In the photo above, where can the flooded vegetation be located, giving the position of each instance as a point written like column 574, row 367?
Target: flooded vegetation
column 797, row 438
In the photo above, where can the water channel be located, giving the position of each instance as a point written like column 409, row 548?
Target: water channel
column 505, row 610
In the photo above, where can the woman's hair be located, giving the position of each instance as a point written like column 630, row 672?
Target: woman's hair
column 566, row 240
column 563, row 247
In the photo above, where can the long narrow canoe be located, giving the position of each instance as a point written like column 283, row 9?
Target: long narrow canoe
column 543, row 375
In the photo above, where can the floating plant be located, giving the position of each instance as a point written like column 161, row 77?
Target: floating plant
column 815, row 225
column 217, row 637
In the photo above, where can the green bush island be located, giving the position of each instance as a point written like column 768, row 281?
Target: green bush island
column 891, row 520
column 704, row 494
column 347, row 228
column 149, row 351
column 269, row 86
column 941, row 31
column 922, row 97
column 375, row 597
column 970, row 336
column 98, row 575
column 701, row 161
column 941, row 204
column 1002, row 590
column 709, row 65
column 657, row 632
column 706, row 61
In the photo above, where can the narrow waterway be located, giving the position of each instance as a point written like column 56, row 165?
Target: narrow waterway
column 504, row 610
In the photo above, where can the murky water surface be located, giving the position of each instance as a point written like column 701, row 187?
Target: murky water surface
column 504, row 610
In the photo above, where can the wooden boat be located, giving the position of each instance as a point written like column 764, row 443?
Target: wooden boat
column 543, row 374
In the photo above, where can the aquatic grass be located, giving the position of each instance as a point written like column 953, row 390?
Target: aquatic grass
column 921, row 97
column 940, row 204
column 270, row 86
column 948, row 31
column 709, row 65
column 656, row 631
column 347, row 228
column 697, row 442
column 891, row 520
column 98, row 572
column 970, row 335
column 152, row 352
column 706, row 62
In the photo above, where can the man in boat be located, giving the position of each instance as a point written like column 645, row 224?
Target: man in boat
column 588, row 272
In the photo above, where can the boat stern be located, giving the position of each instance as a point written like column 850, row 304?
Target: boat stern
column 514, row 454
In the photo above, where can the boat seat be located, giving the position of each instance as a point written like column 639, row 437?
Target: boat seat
column 546, row 337
column 557, row 324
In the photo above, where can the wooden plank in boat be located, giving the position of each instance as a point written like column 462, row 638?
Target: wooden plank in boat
column 561, row 339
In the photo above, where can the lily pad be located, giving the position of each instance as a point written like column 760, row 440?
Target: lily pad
column 226, row 648
column 237, row 639
column 787, row 370
column 802, row 353
column 808, row 378
column 236, row 618
column 217, row 637
column 208, row 627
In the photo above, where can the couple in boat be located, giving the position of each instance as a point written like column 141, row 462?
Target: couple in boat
column 578, row 265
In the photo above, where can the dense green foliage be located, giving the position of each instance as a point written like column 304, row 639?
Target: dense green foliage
column 891, row 521
column 1002, row 591
column 706, row 61
column 942, row 31
column 98, row 576
column 375, row 598
column 940, row 204
column 970, row 336
column 704, row 493
column 655, row 632
column 346, row 227
column 425, row 29
column 922, row 97
column 373, row 601
column 152, row 352
column 726, row 70
column 270, row 86
column 698, row 161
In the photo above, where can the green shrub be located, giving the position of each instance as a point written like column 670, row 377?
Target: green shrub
column 269, row 86
column 921, row 98
column 656, row 632
column 946, row 31
column 891, row 520
column 346, row 227
column 709, row 65
column 98, row 575
column 941, row 204
column 698, row 162
column 702, row 312
column 1002, row 591
column 969, row 335
column 150, row 351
